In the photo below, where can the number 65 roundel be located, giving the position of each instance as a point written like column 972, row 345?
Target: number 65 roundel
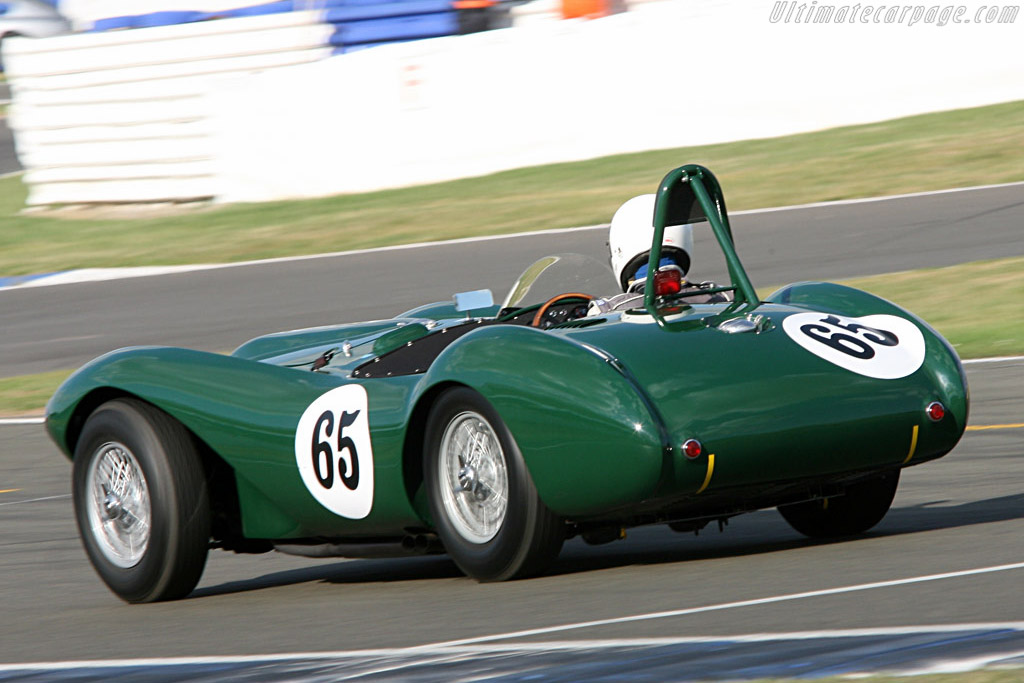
column 879, row 346
column 333, row 453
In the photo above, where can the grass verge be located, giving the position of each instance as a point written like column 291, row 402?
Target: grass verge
column 978, row 307
column 28, row 394
column 935, row 151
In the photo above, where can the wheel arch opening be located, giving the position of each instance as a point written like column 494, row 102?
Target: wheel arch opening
column 222, row 485
column 412, row 448
column 86, row 407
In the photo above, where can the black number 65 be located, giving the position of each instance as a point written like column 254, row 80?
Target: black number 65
column 324, row 455
column 848, row 343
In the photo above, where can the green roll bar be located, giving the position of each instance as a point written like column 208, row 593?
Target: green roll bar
column 682, row 192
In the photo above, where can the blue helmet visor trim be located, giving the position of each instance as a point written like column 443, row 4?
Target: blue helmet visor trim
column 641, row 272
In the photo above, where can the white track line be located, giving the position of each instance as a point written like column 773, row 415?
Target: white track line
column 997, row 359
column 724, row 606
column 22, row 420
column 962, row 665
column 556, row 645
column 865, row 200
column 102, row 274
column 36, row 500
column 96, row 274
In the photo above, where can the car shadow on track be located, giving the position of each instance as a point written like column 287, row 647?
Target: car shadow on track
column 753, row 534
column 939, row 515
column 765, row 532
column 343, row 572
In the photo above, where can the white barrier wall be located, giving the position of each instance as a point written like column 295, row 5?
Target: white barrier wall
column 124, row 116
column 670, row 74
column 674, row 74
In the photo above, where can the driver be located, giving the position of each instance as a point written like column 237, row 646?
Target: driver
column 629, row 241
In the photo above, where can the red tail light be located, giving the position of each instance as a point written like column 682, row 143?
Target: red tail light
column 935, row 411
column 668, row 282
column 692, row 448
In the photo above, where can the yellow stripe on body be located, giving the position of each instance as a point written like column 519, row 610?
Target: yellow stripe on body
column 9, row 490
column 910, row 454
column 913, row 445
column 711, row 469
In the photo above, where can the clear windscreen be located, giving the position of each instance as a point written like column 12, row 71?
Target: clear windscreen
column 561, row 274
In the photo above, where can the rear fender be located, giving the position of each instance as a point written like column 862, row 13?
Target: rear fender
column 941, row 360
column 585, row 432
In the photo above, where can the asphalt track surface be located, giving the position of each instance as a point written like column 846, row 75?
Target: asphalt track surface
column 957, row 522
column 55, row 327
column 937, row 583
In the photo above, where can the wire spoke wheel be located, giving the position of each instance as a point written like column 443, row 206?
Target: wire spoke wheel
column 483, row 502
column 141, row 501
column 474, row 477
column 119, row 507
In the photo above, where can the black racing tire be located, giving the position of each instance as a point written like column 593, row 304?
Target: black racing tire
column 135, row 463
column 526, row 537
column 861, row 507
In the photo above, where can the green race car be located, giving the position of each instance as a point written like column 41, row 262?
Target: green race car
column 495, row 432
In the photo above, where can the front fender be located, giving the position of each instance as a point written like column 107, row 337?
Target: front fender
column 217, row 397
column 247, row 412
column 588, row 439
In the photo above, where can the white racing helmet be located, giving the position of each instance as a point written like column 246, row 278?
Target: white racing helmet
column 630, row 237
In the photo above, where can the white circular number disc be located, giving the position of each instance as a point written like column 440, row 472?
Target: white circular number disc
column 879, row 346
column 333, row 453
